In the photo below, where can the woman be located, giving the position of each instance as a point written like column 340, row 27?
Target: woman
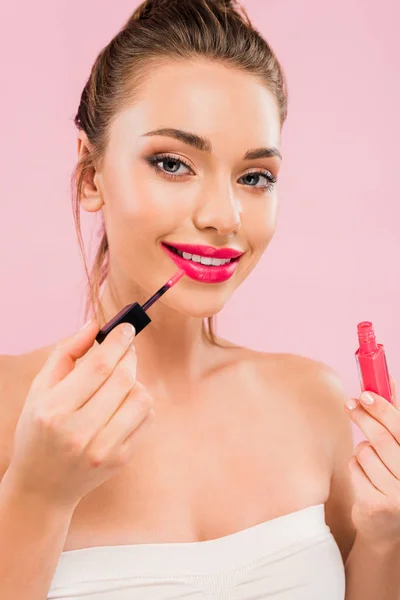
column 239, row 487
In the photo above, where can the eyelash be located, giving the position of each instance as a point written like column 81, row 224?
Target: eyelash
column 153, row 160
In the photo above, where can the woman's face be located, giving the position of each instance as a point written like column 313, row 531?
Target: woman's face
column 191, row 196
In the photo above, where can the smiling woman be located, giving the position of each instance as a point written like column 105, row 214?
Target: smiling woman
column 179, row 143
column 175, row 188
column 209, row 35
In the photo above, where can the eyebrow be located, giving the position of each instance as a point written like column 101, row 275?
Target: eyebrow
column 204, row 144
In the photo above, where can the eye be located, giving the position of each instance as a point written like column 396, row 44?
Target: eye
column 254, row 177
column 169, row 163
column 171, row 166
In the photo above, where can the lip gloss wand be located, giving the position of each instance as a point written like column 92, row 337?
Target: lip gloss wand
column 136, row 314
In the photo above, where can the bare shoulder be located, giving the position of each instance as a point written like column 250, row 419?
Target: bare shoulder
column 303, row 370
column 307, row 378
column 313, row 382
column 320, row 391
column 306, row 385
column 16, row 374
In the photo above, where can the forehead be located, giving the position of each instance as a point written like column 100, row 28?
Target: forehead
column 221, row 102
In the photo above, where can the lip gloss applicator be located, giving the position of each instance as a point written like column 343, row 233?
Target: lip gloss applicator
column 136, row 314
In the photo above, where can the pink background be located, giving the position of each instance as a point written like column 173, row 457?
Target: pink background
column 335, row 258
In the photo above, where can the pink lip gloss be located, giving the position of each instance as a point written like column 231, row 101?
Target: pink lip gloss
column 371, row 363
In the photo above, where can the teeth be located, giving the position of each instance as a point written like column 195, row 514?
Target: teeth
column 204, row 260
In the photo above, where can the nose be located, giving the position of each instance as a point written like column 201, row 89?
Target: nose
column 219, row 209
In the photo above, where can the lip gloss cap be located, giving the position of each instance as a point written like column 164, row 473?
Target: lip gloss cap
column 133, row 314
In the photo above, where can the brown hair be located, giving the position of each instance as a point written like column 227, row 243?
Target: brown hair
column 159, row 30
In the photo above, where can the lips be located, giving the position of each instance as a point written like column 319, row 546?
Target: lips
column 198, row 271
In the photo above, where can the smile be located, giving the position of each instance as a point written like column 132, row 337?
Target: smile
column 204, row 260
column 205, row 269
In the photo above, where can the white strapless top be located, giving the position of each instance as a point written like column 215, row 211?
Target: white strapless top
column 292, row 557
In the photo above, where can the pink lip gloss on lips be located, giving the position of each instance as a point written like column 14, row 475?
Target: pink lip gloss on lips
column 371, row 363
column 136, row 314
column 205, row 273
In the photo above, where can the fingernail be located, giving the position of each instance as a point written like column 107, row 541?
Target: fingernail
column 351, row 404
column 128, row 330
column 366, row 398
column 86, row 324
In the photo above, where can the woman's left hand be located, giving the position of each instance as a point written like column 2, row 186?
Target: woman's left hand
column 375, row 470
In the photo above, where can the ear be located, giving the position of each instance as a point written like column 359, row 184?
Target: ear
column 91, row 198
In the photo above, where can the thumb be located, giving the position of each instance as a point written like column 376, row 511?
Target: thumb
column 62, row 359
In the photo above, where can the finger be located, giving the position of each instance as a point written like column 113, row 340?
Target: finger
column 382, row 440
column 62, row 359
column 87, row 377
column 135, row 436
column 364, row 489
column 122, row 424
column 98, row 410
column 375, row 469
column 383, row 411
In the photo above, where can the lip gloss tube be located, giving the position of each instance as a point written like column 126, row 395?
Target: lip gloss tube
column 371, row 363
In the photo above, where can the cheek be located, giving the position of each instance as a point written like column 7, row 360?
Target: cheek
column 140, row 209
column 133, row 226
column 137, row 221
column 260, row 222
column 152, row 202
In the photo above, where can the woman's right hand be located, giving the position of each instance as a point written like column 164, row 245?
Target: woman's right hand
column 80, row 422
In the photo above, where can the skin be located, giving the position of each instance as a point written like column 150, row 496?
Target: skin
column 208, row 203
column 269, row 421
